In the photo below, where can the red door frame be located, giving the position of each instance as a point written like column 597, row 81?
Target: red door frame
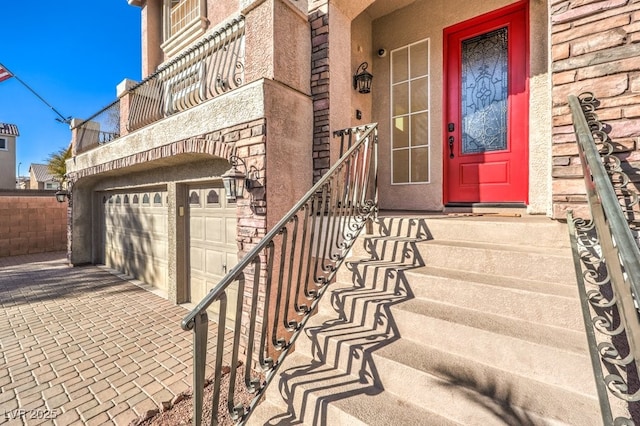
column 518, row 99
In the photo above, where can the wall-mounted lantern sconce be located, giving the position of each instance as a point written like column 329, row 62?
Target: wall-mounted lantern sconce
column 64, row 193
column 236, row 181
column 62, row 196
column 362, row 79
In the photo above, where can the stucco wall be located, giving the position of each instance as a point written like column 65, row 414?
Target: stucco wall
column 31, row 222
column 8, row 164
column 594, row 47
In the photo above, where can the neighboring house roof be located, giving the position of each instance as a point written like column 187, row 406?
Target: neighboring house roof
column 41, row 172
column 9, row 129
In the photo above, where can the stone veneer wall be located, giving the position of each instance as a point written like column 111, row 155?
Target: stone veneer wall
column 595, row 47
column 319, row 20
column 31, row 222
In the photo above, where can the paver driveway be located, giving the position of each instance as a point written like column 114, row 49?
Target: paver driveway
column 83, row 346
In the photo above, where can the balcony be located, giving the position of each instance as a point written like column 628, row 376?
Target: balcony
column 211, row 67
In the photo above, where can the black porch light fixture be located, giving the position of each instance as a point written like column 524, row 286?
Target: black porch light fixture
column 62, row 196
column 362, row 78
column 234, row 180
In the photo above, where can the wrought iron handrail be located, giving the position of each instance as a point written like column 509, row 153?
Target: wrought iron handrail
column 209, row 68
column 607, row 262
column 290, row 268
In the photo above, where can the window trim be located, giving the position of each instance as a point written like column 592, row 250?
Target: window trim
column 174, row 43
column 409, row 113
column 6, row 144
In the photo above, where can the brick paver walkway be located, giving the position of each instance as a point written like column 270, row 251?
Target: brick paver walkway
column 82, row 346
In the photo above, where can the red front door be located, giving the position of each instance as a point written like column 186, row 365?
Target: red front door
column 486, row 108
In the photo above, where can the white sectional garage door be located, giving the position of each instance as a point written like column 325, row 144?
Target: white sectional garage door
column 212, row 240
column 135, row 234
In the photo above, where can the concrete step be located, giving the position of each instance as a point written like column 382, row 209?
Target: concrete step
column 459, row 388
column 327, row 339
column 537, row 263
column 365, row 272
column 314, row 394
column 367, row 307
column 538, row 231
column 545, row 302
column 536, row 356
column 444, row 320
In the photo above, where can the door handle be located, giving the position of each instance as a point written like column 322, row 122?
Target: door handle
column 224, row 268
column 451, row 139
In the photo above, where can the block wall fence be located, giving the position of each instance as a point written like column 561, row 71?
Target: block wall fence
column 31, row 222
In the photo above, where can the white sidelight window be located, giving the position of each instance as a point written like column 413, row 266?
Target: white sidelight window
column 410, row 118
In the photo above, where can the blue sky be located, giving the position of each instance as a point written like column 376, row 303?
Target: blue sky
column 73, row 53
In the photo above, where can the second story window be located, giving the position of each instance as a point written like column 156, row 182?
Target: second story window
column 184, row 22
column 3, row 144
column 182, row 12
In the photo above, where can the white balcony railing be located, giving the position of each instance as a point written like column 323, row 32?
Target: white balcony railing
column 213, row 66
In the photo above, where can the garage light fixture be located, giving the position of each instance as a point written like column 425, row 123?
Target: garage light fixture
column 62, row 196
column 236, row 181
column 362, row 78
column 64, row 193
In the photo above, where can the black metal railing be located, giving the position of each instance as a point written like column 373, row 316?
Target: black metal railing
column 280, row 281
column 607, row 262
column 211, row 67
column 100, row 128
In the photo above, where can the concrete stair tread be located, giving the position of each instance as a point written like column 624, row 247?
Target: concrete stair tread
column 339, row 398
column 431, row 360
column 551, row 251
column 519, row 318
column 539, row 359
column 547, row 251
column 464, row 390
column 550, row 363
column 570, row 341
column 516, row 261
column 560, row 289
column 528, row 230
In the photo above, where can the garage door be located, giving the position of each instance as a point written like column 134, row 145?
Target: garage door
column 212, row 240
column 135, row 234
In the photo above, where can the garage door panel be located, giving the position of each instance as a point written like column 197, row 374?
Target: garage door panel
column 198, row 287
column 212, row 229
column 196, row 228
column 230, row 237
column 215, row 260
column 197, row 258
column 135, row 236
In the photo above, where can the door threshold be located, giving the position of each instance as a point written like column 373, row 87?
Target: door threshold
column 490, row 205
column 509, row 208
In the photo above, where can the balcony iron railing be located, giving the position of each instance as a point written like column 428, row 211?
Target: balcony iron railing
column 213, row 66
column 285, row 275
column 607, row 262
column 101, row 128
